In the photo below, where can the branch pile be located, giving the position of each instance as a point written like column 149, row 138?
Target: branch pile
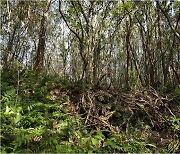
column 99, row 108
column 149, row 103
column 105, row 109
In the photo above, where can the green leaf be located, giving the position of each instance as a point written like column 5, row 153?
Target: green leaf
column 84, row 140
column 110, row 143
column 18, row 118
column 99, row 135
column 90, row 152
column 7, row 109
column 94, row 141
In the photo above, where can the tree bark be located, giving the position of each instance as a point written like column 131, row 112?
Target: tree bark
column 128, row 50
column 9, row 48
column 39, row 59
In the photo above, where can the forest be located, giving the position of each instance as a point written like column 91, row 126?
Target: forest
column 90, row 76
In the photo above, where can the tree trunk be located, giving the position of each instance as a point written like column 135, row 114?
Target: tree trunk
column 9, row 48
column 39, row 60
column 128, row 51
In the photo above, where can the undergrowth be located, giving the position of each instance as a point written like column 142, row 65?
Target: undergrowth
column 33, row 122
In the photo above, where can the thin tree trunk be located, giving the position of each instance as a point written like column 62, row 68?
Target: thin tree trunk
column 128, row 53
column 137, row 65
column 9, row 47
column 160, row 47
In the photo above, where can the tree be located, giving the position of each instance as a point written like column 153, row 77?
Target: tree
column 39, row 60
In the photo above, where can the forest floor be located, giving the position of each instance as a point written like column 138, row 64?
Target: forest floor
column 43, row 114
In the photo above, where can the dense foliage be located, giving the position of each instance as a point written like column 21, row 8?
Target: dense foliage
column 33, row 121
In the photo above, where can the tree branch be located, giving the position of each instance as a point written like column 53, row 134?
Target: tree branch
column 75, row 33
column 166, row 15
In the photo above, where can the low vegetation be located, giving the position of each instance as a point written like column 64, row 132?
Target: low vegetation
column 42, row 114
